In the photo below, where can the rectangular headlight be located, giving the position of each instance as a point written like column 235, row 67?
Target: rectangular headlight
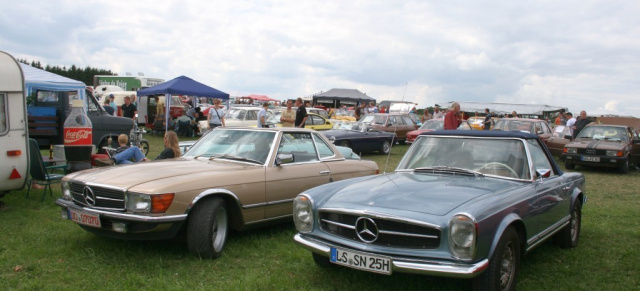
column 614, row 153
column 138, row 202
column 66, row 190
column 570, row 150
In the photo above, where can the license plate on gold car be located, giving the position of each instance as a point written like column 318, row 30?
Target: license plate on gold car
column 361, row 261
column 85, row 218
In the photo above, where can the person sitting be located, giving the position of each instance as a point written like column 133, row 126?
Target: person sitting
column 134, row 154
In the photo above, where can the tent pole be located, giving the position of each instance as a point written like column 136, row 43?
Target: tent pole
column 167, row 114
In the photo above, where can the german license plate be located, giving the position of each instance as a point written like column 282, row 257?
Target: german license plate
column 591, row 159
column 85, row 218
column 361, row 261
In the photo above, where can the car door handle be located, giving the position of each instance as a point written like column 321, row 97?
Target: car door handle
column 566, row 188
column 325, row 172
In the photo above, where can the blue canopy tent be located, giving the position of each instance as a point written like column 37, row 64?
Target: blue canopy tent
column 182, row 85
column 36, row 79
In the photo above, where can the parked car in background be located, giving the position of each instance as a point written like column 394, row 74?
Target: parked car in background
column 231, row 178
column 240, row 116
column 318, row 111
column 560, row 137
column 317, row 122
column 604, row 145
column 398, row 123
column 462, row 204
column 477, row 123
column 433, row 125
column 538, row 127
column 359, row 137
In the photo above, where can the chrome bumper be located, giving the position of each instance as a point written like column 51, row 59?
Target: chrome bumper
column 403, row 265
column 121, row 216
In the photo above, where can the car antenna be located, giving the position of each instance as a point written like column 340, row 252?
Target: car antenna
column 394, row 133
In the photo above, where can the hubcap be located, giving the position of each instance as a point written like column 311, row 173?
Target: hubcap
column 219, row 229
column 575, row 224
column 507, row 266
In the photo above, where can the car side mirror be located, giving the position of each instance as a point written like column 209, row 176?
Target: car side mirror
column 284, row 159
column 543, row 173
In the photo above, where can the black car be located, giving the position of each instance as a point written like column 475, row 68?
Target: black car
column 360, row 138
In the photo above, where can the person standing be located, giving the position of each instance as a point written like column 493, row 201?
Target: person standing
column 571, row 121
column 452, row 119
column 129, row 110
column 108, row 107
column 425, row 115
column 487, row 119
column 159, row 106
column 262, row 115
column 112, row 103
column 288, row 115
column 437, row 114
column 216, row 115
column 580, row 123
column 359, row 111
column 301, row 113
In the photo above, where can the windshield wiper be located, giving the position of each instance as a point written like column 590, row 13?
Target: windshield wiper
column 442, row 169
column 235, row 158
column 200, row 155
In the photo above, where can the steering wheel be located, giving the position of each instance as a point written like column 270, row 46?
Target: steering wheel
column 496, row 165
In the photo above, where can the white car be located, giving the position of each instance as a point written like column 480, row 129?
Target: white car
column 244, row 116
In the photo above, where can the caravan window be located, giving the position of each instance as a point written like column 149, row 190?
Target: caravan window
column 3, row 113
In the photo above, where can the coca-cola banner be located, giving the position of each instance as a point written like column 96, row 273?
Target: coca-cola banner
column 78, row 136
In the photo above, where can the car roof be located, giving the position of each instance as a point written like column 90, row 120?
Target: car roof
column 608, row 125
column 483, row 133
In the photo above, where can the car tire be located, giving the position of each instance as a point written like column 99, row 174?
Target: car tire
column 568, row 237
column 568, row 165
column 207, row 228
column 502, row 272
column 345, row 143
column 624, row 168
column 322, row 261
column 385, row 148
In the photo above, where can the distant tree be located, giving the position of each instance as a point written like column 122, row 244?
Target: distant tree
column 74, row 72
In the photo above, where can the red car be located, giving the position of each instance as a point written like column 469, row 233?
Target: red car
column 433, row 125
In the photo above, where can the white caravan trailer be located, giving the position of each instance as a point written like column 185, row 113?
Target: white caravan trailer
column 14, row 152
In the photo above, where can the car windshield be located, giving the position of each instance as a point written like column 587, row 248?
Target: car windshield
column 244, row 145
column 433, row 124
column 348, row 125
column 374, row 119
column 514, row 125
column 492, row 157
column 604, row 133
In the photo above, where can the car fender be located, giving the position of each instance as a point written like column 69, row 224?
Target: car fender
column 233, row 204
column 512, row 219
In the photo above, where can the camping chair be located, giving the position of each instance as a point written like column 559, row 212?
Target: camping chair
column 158, row 127
column 184, row 129
column 39, row 173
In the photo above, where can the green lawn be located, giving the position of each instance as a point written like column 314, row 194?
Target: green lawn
column 39, row 250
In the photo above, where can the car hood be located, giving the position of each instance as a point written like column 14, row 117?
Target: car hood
column 165, row 173
column 423, row 193
column 339, row 133
column 587, row 143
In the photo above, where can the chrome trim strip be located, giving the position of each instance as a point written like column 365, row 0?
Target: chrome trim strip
column 277, row 202
column 339, row 224
column 408, row 234
column 545, row 234
column 210, row 192
column 110, row 199
column 269, row 219
column 380, row 216
column 422, row 267
column 124, row 216
column 254, row 205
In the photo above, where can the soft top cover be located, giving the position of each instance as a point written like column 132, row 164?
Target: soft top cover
column 483, row 133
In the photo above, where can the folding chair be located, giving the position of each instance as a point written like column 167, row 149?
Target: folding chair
column 38, row 171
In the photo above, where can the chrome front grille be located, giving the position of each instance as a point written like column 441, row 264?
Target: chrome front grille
column 391, row 233
column 105, row 198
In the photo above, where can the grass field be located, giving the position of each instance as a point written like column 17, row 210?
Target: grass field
column 41, row 251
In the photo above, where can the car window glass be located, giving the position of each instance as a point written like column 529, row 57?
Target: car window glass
column 93, row 107
column 407, row 120
column 323, row 149
column 252, row 115
column 234, row 145
column 392, row 121
column 300, row 145
column 464, row 126
column 316, row 120
column 538, row 157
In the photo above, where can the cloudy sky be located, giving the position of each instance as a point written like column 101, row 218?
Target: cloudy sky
column 579, row 54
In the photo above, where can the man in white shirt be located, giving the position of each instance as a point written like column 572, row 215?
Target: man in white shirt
column 262, row 115
column 570, row 121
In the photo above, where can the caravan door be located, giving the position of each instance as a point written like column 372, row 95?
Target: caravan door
column 14, row 155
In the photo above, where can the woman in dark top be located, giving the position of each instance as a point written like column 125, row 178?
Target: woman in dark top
column 171, row 148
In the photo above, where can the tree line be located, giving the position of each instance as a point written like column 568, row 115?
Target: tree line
column 83, row 75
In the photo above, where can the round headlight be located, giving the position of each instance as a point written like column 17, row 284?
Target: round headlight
column 303, row 213
column 462, row 236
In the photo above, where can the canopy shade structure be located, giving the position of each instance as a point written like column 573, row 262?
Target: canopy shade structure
column 36, row 79
column 258, row 98
column 506, row 108
column 343, row 96
column 182, row 85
